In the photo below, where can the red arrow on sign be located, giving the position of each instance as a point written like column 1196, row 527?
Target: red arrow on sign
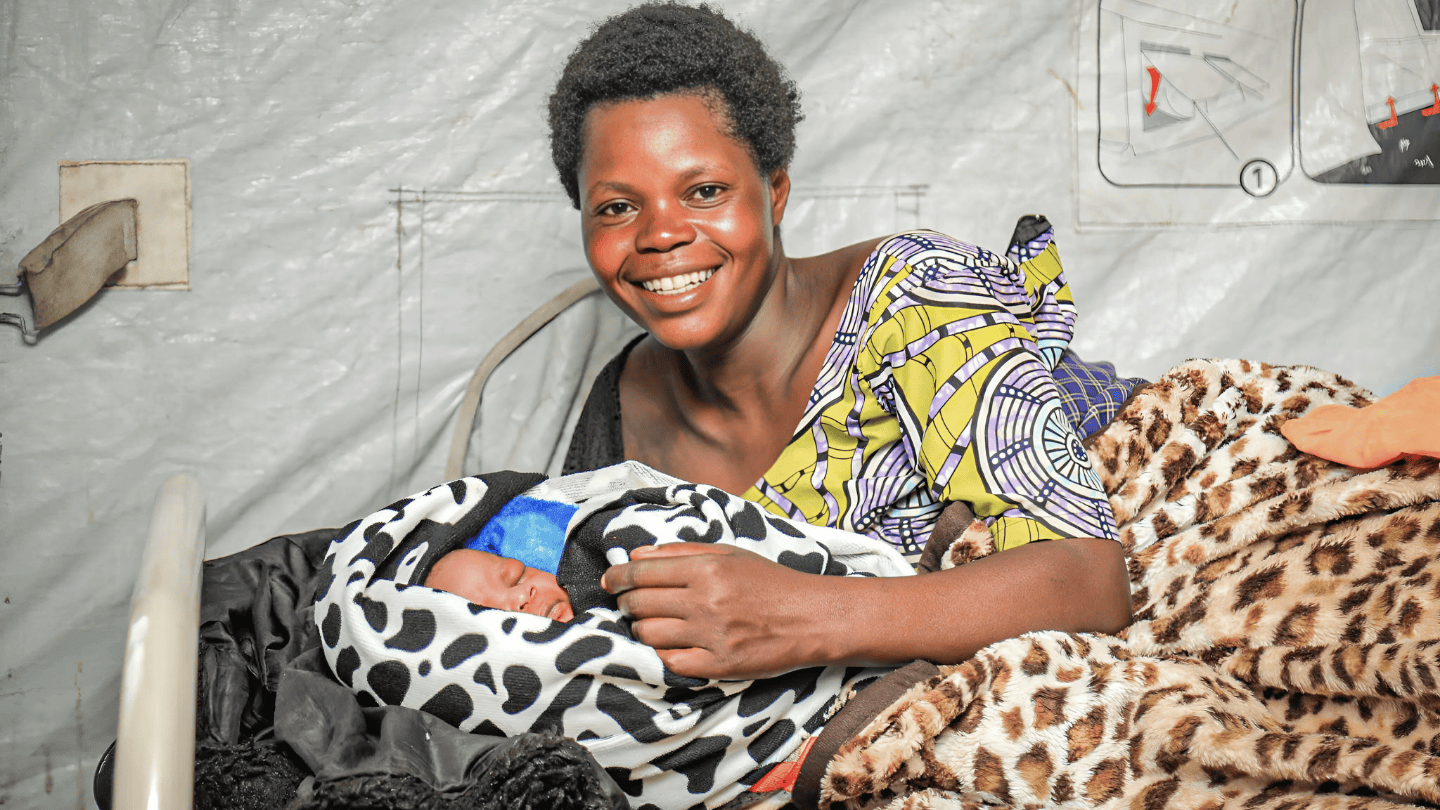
column 1393, row 119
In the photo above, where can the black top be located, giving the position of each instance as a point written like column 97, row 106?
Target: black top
column 599, row 441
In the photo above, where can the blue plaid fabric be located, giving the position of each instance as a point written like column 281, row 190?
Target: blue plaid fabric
column 1091, row 392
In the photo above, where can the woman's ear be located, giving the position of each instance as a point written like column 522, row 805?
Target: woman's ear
column 779, row 195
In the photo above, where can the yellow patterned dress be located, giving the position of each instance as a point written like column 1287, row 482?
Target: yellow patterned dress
column 938, row 388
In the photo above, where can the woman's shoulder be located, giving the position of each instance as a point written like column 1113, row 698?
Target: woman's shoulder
column 917, row 281
column 926, row 247
column 898, row 253
column 919, row 263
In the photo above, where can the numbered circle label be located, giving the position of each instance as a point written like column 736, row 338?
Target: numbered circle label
column 1259, row 178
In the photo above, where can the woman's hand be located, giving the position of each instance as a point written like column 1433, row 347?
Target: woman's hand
column 715, row 611
column 720, row 612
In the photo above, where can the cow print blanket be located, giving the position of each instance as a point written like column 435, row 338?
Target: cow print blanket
column 1285, row 652
column 669, row 741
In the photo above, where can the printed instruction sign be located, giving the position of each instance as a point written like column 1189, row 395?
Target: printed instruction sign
column 1264, row 111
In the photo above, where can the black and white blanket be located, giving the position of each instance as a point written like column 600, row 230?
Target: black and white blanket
column 668, row 740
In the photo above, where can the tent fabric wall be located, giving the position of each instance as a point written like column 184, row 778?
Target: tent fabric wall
column 373, row 207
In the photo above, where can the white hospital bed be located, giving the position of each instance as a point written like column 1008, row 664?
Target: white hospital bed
column 153, row 763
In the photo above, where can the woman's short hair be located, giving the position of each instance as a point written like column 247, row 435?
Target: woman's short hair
column 659, row 48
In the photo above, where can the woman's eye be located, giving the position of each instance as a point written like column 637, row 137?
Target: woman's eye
column 708, row 192
column 614, row 209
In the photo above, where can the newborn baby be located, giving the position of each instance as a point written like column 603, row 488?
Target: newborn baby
column 499, row 582
column 557, row 654
column 520, row 558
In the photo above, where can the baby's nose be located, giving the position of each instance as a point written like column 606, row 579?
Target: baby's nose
column 527, row 595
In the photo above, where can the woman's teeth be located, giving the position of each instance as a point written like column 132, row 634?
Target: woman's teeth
column 674, row 285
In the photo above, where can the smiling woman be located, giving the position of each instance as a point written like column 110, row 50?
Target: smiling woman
column 869, row 389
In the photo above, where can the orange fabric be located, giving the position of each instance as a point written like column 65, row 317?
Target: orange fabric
column 1405, row 423
column 784, row 774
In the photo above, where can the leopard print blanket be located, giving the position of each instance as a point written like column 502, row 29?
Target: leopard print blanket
column 1285, row 652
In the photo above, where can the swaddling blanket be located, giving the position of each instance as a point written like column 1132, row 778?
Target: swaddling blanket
column 668, row 740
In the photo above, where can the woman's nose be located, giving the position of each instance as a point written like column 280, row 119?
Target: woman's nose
column 664, row 227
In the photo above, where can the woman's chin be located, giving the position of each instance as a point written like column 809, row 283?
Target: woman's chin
column 678, row 326
column 682, row 336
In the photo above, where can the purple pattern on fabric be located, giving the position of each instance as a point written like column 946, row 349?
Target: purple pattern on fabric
column 1034, row 459
column 886, row 494
column 973, row 365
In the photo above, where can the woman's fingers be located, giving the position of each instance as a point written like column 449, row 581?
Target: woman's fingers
column 692, row 662
column 720, row 611
column 678, row 550
column 665, row 566
column 678, row 643
column 650, row 603
column 664, row 633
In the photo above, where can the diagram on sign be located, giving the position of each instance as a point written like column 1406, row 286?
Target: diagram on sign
column 1370, row 91
column 1196, row 93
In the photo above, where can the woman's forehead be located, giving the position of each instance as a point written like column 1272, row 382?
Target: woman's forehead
column 687, row 112
column 677, row 131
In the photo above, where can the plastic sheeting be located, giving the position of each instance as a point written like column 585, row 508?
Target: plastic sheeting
column 374, row 207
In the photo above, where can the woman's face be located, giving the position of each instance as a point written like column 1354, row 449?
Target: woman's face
column 679, row 224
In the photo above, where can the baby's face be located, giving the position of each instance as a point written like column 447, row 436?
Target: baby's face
column 500, row 582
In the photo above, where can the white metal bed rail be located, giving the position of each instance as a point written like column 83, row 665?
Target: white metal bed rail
column 155, row 747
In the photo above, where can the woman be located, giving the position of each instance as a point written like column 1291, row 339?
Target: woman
column 672, row 131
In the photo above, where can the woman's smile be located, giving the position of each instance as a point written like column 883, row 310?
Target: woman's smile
column 677, row 284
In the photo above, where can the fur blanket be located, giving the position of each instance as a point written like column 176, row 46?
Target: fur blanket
column 1286, row 646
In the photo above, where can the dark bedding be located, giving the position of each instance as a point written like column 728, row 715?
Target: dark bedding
column 259, row 650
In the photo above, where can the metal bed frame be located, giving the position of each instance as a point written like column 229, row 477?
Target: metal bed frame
column 154, row 752
column 155, row 746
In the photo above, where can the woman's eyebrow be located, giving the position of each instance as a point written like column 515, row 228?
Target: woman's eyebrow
column 625, row 188
column 608, row 185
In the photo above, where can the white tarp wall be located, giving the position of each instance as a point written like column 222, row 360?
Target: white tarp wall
column 373, row 207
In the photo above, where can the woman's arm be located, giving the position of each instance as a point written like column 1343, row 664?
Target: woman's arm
column 722, row 612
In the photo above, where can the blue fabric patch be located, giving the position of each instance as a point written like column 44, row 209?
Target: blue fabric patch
column 527, row 529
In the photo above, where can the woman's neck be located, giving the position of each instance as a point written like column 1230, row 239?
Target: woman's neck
column 723, row 415
column 760, row 369
column 771, row 367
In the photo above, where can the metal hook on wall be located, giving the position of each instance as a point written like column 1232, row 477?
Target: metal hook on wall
column 73, row 264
